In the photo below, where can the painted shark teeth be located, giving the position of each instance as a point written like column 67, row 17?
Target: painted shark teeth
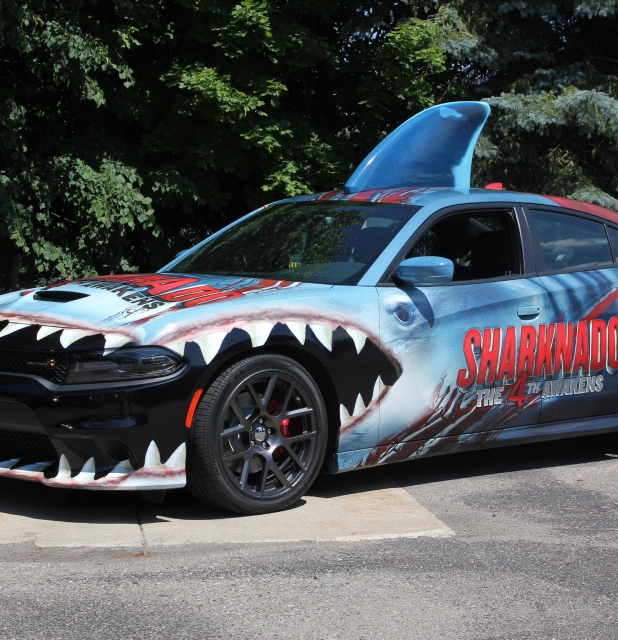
column 178, row 459
column 359, row 409
column 210, row 344
column 115, row 340
column 259, row 332
column 378, row 387
column 178, row 347
column 64, row 469
column 43, row 332
column 11, row 327
column 153, row 475
column 324, row 334
column 359, row 338
column 153, row 457
column 69, row 336
column 37, row 466
column 121, row 469
column 359, row 405
column 87, row 473
column 299, row 329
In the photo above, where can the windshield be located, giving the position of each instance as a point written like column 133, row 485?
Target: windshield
column 322, row 242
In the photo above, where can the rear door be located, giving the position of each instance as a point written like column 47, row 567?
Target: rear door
column 466, row 349
column 579, row 359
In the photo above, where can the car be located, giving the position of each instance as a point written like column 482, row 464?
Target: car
column 407, row 315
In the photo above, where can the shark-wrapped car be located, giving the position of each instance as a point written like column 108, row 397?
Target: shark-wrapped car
column 407, row 315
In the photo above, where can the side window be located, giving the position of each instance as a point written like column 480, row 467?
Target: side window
column 571, row 242
column 481, row 245
column 613, row 236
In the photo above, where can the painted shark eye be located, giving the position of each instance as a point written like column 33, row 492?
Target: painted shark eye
column 403, row 312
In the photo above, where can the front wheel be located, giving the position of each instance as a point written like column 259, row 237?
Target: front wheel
column 259, row 436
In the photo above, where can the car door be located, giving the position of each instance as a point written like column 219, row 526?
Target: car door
column 577, row 268
column 465, row 348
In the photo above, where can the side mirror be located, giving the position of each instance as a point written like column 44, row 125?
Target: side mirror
column 426, row 271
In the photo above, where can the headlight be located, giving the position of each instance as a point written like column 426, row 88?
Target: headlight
column 135, row 363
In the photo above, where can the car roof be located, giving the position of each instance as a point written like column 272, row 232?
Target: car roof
column 438, row 197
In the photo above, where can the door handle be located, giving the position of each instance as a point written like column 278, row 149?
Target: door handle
column 531, row 311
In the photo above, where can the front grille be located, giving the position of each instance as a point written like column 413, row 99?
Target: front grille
column 32, row 447
column 50, row 365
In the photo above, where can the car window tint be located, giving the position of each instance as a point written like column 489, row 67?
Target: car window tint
column 613, row 236
column 481, row 245
column 321, row 242
column 571, row 242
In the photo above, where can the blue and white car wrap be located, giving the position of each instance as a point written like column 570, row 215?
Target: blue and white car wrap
column 406, row 370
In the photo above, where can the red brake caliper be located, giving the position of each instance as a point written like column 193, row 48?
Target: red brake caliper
column 274, row 406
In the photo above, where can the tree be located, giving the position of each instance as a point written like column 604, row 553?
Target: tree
column 130, row 130
column 549, row 72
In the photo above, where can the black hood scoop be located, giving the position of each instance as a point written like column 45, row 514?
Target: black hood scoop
column 58, row 296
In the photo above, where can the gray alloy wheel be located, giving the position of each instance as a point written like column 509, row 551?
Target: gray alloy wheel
column 259, row 436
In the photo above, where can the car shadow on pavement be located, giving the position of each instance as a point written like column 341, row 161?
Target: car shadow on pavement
column 34, row 501
column 540, row 455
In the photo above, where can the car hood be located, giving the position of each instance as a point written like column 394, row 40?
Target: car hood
column 163, row 309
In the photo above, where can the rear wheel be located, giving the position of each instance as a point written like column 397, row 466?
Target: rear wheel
column 259, row 436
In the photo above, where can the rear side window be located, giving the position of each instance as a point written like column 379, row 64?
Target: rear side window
column 570, row 242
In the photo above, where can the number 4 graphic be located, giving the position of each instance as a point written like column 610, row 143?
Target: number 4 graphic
column 518, row 392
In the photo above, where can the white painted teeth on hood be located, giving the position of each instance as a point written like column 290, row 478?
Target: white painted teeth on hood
column 324, row 334
column 9, row 464
column 299, row 330
column 11, row 327
column 115, row 340
column 359, row 406
column 210, row 344
column 46, row 331
column 69, row 336
column 259, row 332
column 177, row 347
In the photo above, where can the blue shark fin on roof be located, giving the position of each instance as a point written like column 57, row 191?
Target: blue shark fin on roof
column 432, row 149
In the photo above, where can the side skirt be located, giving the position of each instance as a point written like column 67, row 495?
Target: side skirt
column 400, row 451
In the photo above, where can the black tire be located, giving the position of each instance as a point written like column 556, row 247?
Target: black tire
column 258, row 438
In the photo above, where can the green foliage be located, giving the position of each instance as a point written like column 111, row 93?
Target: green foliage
column 129, row 131
column 550, row 73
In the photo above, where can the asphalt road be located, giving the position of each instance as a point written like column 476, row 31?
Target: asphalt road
column 532, row 553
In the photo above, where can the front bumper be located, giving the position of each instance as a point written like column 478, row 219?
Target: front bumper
column 125, row 437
